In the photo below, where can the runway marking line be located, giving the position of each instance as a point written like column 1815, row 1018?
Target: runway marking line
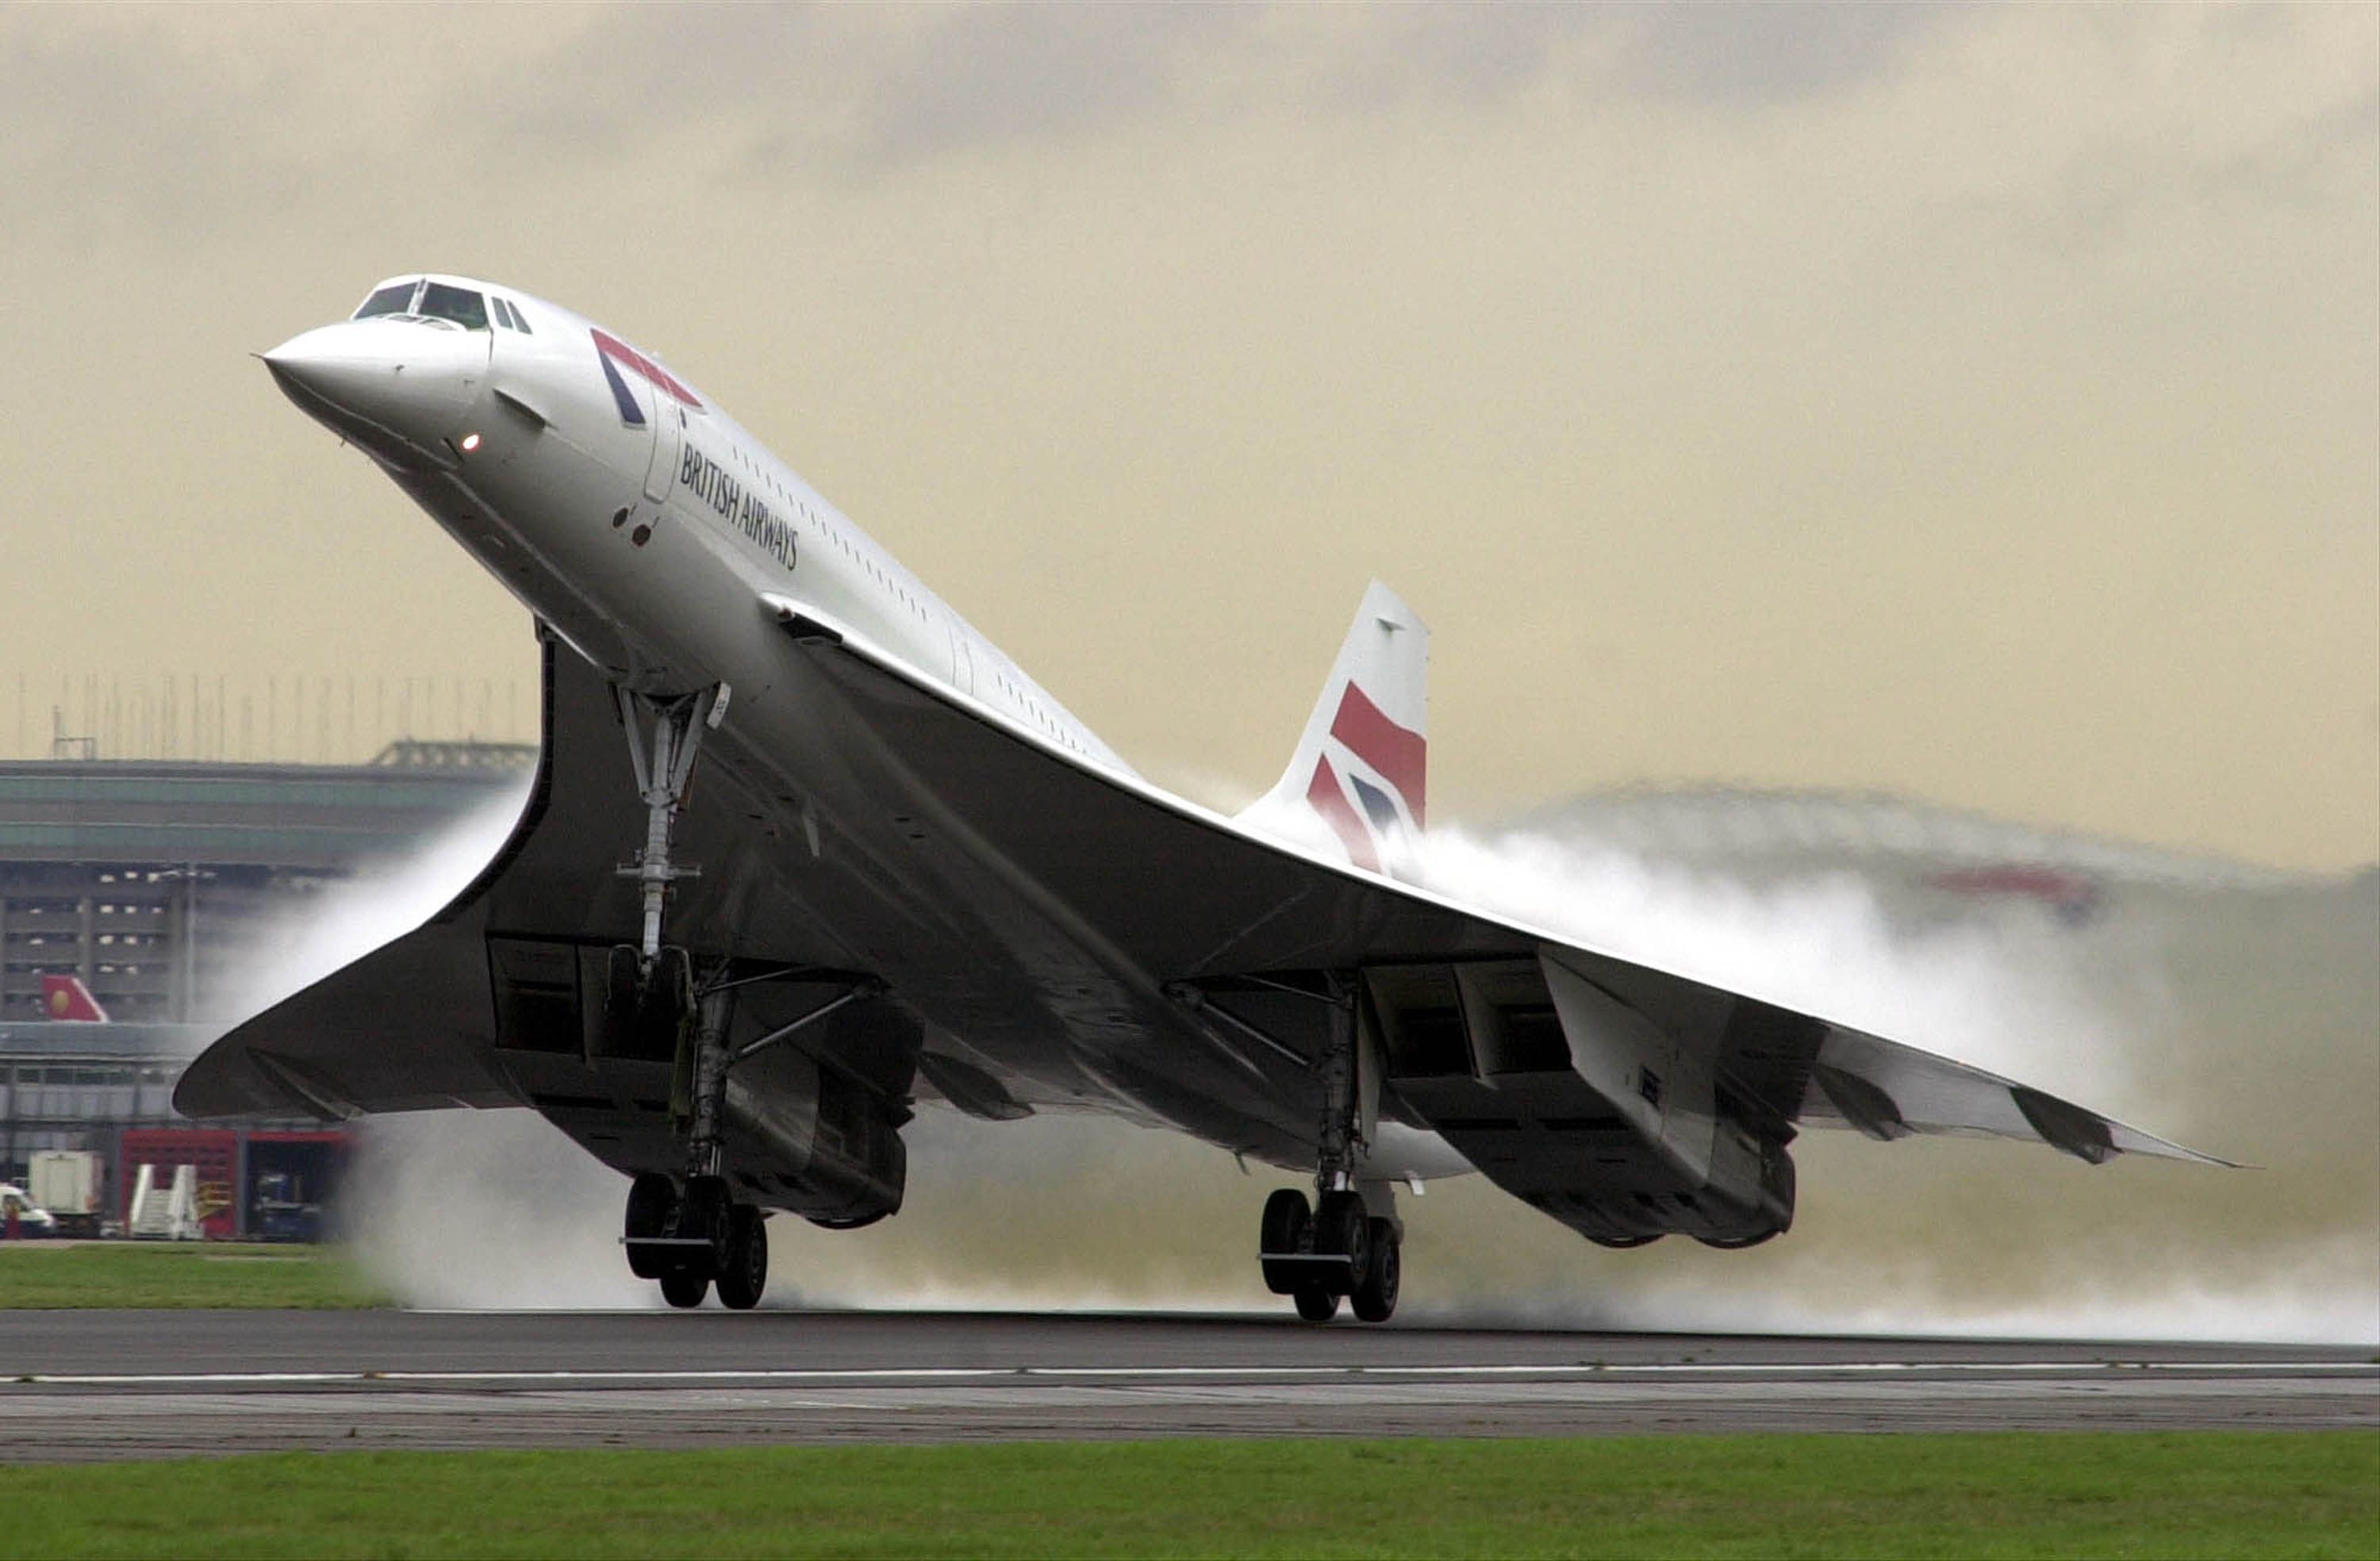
column 954, row 1374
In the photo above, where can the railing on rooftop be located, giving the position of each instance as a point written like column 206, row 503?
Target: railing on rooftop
column 411, row 753
column 309, row 719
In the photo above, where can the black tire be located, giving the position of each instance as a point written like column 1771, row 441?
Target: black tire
column 745, row 1273
column 1287, row 1226
column 1344, row 1229
column 650, row 1198
column 1317, row 1304
column 703, row 1214
column 1376, row 1293
column 685, row 1288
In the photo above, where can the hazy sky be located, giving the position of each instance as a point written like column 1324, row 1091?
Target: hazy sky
column 1979, row 405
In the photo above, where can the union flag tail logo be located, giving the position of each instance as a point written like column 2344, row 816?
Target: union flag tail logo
column 1363, row 766
column 64, row 996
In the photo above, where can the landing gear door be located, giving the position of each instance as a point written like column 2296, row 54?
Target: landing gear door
column 1371, row 1067
column 669, row 437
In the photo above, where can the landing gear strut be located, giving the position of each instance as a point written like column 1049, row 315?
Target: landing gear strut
column 1336, row 1247
column 676, row 726
column 687, row 1232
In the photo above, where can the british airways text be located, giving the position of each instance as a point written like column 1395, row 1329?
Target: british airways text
column 746, row 511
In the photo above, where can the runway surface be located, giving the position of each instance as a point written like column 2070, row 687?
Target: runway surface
column 96, row 1384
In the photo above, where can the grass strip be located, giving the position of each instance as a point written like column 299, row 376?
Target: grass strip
column 2131, row 1494
column 48, row 1275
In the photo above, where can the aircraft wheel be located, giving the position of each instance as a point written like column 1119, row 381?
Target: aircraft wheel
column 1287, row 1226
column 1317, row 1304
column 705, row 1213
column 1342, row 1229
column 745, row 1274
column 685, row 1288
column 649, row 1199
column 1376, row 1292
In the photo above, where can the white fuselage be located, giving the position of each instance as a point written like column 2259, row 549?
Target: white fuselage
column 652, row 534
column 724, row 514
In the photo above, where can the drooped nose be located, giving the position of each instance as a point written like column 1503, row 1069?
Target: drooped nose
column 379, row 380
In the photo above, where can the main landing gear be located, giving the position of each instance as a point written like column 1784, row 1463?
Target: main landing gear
column 1316, row 1255
column 1336, row 1247
column 688, row 1232
column 697, row 1239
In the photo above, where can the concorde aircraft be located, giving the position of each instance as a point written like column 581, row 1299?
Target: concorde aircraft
column 870, row 861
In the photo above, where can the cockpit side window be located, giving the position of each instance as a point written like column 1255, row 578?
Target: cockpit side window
column 504, row 315
column 460, row 305
column 395, row 298
column 521, row 321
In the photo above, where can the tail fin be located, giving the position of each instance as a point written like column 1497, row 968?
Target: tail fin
column 64, row 996
column 1360, row 773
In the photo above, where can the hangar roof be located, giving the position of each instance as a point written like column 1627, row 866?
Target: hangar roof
column 327, row 816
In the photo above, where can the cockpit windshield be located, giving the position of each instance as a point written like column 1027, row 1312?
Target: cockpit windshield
column 395, row 298
column 428, row 300
column 460, row 305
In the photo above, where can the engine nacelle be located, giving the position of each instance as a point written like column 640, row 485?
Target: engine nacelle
column 1750, row 1195
column 830, row 1153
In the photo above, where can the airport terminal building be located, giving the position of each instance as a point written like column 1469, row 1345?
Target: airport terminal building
column 164, row 887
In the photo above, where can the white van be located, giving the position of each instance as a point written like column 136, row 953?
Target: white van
column 30, row 1217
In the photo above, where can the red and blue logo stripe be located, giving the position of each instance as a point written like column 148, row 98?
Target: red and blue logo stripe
column 613, row 354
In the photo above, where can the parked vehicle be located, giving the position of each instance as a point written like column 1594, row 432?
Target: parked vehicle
column 282, row 1212
column 22, row 1217
column 66, row 1182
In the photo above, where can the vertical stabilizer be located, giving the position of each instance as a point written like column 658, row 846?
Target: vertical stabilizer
column 1360, row 776
column 64, row 996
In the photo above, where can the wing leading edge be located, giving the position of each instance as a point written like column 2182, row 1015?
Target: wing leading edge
column 459, row 1012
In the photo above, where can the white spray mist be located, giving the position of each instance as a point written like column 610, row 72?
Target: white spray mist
column 2246, row 1022
column 341, row 921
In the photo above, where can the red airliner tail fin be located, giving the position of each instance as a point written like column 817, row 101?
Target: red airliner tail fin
column 64, row 996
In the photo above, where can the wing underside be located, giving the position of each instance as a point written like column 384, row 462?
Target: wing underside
column 1622, row 1099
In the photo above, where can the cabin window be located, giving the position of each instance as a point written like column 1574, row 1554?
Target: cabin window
column 395, row 298
column 460, row 305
